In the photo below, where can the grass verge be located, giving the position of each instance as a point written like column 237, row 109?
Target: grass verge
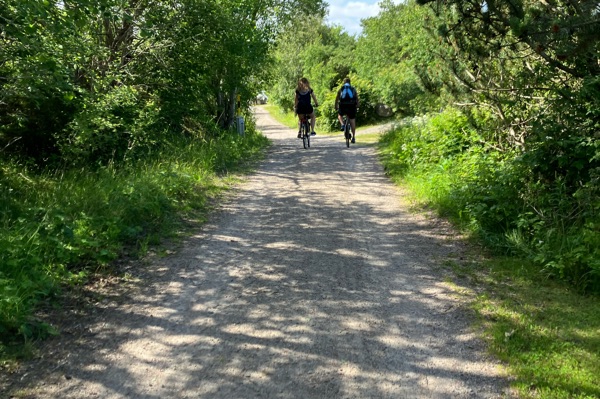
column 288, row 119
column 60, row 227
column 546, row 332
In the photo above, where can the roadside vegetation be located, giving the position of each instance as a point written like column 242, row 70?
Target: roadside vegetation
column 118, row 122
column 544, row 328
column 61, row 227
column 545, row 332
column 285, row 117
column 498, row 113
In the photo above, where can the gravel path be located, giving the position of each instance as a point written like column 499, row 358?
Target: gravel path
column 312, row 281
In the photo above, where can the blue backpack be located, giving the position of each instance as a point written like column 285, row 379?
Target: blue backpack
column 348, row 95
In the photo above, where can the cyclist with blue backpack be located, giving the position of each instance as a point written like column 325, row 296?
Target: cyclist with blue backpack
column 346, row 103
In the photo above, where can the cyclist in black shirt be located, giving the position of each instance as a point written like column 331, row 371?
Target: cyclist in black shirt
column 302, row 103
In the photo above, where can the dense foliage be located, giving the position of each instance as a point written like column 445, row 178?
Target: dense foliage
column 390, row 55
column 516, row 153
column 102, row 81
column 325, row 55
column 115, row 116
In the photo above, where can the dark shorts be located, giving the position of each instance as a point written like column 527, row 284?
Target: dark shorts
column 304, row 108
column 348, row 109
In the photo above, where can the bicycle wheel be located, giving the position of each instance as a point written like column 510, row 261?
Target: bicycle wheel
column 304, row 136
column 347, row 134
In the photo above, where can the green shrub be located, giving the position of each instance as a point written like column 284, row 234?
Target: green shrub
column 58, row 227
column 507, row 198
column 114, row 126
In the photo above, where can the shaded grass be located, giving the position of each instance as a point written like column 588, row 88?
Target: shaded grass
column 59, row 227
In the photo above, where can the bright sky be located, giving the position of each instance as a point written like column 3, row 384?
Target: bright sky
column 349, row 13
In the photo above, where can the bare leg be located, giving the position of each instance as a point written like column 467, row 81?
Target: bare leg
column 312, row 122
column 353, row 127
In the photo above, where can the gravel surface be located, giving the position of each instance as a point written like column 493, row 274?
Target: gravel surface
column 312, row 281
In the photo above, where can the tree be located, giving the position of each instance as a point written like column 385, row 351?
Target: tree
column 536, row 66
column 314, row 50
column 100, row 81
column 397, row 53
column 521, row 58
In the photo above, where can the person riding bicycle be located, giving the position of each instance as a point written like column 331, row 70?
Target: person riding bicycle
column 346, row 103
column 302, row 103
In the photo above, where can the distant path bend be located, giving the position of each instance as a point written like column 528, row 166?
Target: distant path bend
column 313, row 281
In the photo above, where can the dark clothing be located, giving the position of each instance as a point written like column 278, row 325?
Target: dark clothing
column 304, row 97
column 304, row 103
column 348, row 109
column 347, row 101
column 304, row 108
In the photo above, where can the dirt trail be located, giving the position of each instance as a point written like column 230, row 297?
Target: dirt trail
column 312, row 281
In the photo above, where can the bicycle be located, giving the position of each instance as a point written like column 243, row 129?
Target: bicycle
column 305, row 130
column 347, row 132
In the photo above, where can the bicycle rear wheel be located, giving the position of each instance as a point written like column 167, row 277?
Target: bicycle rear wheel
column 347, row 134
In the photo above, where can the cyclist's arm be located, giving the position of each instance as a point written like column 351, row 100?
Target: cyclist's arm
column 337, row 100
column 312, row 94
column 296, row 102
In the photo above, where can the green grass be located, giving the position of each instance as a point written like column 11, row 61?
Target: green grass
column 59, row 227
column 545, row 330
column 547, row 334
column 367, row 138
column 288, row 119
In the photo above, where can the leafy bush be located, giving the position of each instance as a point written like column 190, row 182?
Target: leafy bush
column 499, row 196
column 111, row 127
column 431, row 140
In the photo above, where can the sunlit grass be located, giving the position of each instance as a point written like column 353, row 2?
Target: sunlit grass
column 367, row 138
column 546, row 332
column 285, row 118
